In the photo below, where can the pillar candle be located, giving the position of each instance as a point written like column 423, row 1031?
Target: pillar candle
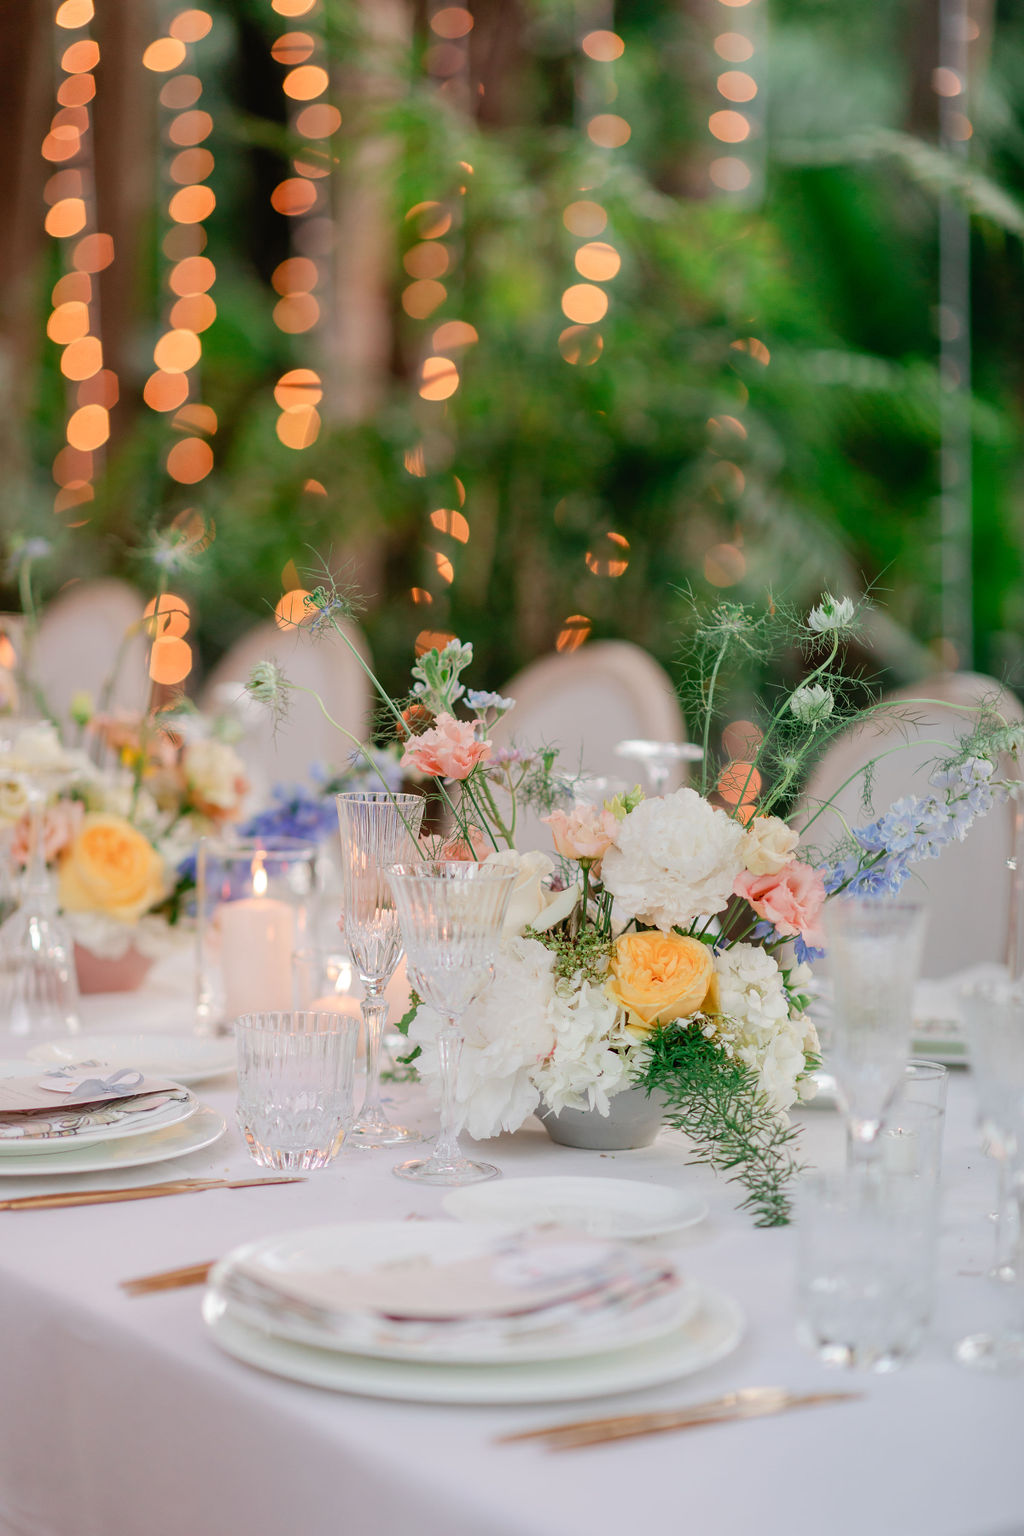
column 257, row 938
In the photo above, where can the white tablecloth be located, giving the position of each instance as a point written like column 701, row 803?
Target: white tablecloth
column 119, row 1417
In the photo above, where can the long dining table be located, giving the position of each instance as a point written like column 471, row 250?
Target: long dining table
column 119, row 1415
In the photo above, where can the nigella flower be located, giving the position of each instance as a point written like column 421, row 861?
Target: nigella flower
column 831, row 614
column 268, row 685
column 812, row 704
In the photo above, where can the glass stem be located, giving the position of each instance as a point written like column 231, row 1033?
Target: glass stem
column 1007, row 1233
column 862, row 1144
column 374, row 1008
column 36, row 888
column 449, row 1053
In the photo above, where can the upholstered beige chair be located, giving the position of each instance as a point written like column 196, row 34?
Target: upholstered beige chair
column 81, row 634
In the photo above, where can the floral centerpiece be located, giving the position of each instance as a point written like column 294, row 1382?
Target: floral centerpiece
column 667, row 942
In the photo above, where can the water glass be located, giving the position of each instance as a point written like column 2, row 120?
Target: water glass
column 865, row 1266
column 295, row 1077
column 910, row 1141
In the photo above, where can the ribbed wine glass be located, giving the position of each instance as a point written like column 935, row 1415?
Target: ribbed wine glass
column 451, row 916
column 377, row 829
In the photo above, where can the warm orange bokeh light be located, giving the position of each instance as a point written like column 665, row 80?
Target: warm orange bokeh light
column 62, row 184
column 739, row 781
column 608, row 131
column 451, row 21
column 65, row 218
column 76, row 90
column 77, row 494
column 318, row 121
column 306, row 82
column 74, row 13
column 82, row 358
column 734, row 47
column 190, row 166
column 598, row 261
column 295, row 313
column 585, row 219
column 195, row 530
column 184, row 240
column 62, row 145
column 724, row 565
column 190, row 128
column 754, row 348
column 432, row 220
column 193, row 275
column 428, row 259
column 299, row 428
column 603, row 46
column 93, row 254
column 720, row 425
column 445, row 569
column 292, row 7
column 439, row 378
column 196, row 418
column 729, row 173
column 190, row 461
column 296, row 275
column 584, row 303
column 68, row 322
column 102, row 389
column 170, row 660
column 729, row 127
column 415, row 461
column 610, row 557
column 192, row 205
column 195, row 313
column 165, row 391
column 73, row 287
column 298, row 388
column 578, row 344
column 71, row 466
column 183, row 91
column 432, row 640
column 293, row 609
column 294, row 196
column 447, row 520
column 292, row 48
column 573, row 633
column 88, row 427
column 420, row 299
column 167, row 614
column 420, row 595
column 164, row 55
column 737, row 85
column 454, row 334
column 177, row 351
column 190, row 26
column 741, row 738
column 80, row 57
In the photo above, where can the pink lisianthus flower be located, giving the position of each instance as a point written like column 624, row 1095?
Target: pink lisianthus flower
column 585, row 834
column 792, row 899
column 61, row 822
column 460, row 850
column 449, row 750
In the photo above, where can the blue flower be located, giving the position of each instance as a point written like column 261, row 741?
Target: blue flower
column 806, row 954
column 479, row 699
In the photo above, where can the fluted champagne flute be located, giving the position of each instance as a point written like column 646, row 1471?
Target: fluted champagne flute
column 377, row 829
column 452, row 916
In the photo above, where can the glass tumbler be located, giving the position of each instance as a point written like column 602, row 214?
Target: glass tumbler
column 865, row 1266
column 910, row 1141
column 295, row 1086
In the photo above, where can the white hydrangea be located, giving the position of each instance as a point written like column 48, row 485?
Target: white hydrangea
column 675, row 859
column 594, row 1053
column 754, row 1023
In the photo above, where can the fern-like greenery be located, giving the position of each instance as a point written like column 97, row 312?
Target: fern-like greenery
column 718, row 1104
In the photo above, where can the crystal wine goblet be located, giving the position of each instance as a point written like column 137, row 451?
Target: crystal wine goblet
column 452, row 916
column 377, row 829
column 874, row 952
column 658, row 758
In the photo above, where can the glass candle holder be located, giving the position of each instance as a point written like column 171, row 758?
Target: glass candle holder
column 257, row 949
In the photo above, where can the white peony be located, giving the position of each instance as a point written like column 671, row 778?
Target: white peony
column 533, row 904
column 769, row 845
column 507, row 1032
column 753, row 1021
column 215, row 773
column 674, row 859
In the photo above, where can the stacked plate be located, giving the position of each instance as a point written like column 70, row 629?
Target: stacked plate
column 113, row 1130
column 435, row 1311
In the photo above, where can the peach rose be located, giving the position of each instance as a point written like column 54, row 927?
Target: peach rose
column 60, row 823
column 110, row 868
column 449, row 750
column 459, row 850
column 792, row 899
column 658, row 977
column 585, row 834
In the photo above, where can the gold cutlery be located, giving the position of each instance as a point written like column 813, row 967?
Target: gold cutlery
column 168, row 1279
column 139, row 1192
column 748, row 1403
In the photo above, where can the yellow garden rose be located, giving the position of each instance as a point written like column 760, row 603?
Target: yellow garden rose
column 110, row 868
column 658, row 977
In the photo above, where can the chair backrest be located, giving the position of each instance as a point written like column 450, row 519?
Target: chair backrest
column 584, row 703
column 320, row 662
column 80, row 635
column 968, row 887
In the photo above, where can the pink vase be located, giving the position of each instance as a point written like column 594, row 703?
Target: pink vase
column 96, row 974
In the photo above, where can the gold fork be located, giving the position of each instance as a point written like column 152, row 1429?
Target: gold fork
column 747, row 1403
column 168, row 1279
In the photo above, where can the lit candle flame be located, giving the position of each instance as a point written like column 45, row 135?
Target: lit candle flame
column 259, row 877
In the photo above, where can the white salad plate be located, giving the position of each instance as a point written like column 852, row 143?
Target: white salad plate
column 201, row 1130
column 245, row 1280
column 612, row 1208
column 183, row 1058
column 711, row 1333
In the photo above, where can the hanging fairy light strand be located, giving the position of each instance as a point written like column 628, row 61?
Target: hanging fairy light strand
column 735, row 124
column 74, row 323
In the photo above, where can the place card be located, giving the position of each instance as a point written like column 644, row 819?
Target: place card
column 85, row 1085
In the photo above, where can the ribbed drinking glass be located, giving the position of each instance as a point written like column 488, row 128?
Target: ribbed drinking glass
column 378, row 829
column 452, row 916
column 295, row 1073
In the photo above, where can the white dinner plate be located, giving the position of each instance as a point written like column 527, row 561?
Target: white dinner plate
column 713, row 1332
column 614, row 1208
column 201, row 1130
column 183, row 1058
column 358, row 1246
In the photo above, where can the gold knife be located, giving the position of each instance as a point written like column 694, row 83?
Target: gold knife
column 140, row 1192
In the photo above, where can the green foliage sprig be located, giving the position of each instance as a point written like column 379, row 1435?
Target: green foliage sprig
column 716, row 1101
